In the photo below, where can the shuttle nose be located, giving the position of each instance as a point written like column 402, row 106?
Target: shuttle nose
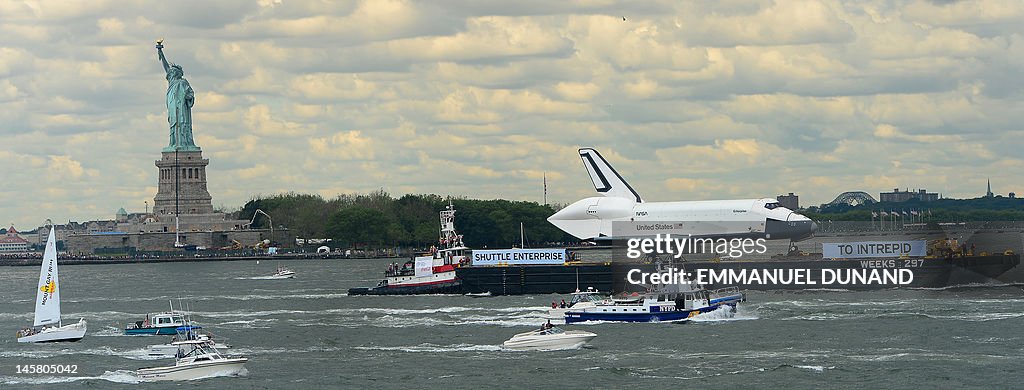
column 574, row 212
column 796, row 227
column 577, row 219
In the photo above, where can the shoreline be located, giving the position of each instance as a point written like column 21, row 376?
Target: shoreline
column 20, row 262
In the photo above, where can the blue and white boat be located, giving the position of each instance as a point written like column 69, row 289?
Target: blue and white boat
column 157, row 324
column 661, row 305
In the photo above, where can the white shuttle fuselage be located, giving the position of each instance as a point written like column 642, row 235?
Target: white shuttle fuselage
column 621, row 213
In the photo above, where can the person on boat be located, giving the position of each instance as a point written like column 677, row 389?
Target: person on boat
column 554, row 305
column 563, row 304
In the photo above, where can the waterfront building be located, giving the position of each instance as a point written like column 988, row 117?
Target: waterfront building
column 790, row 201
column 12, row 242
column 902, row 196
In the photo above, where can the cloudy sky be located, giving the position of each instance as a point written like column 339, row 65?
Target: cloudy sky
column 687, row 99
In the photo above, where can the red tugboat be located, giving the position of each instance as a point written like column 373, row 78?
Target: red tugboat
column 431, row 273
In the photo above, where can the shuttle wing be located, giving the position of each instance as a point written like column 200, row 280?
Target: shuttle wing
column 606, row 180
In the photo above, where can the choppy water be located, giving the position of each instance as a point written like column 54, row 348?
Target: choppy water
column 306, row 332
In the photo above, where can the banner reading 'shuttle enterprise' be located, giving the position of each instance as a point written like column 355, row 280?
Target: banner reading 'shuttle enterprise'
column 518, row 256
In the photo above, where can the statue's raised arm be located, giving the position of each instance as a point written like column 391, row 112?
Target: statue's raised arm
column 160, row 53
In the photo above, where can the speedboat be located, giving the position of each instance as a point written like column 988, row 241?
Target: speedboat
column 548, row 339
column 202, row 360
column 283, row 273
column 184, row 333
column 48, row 325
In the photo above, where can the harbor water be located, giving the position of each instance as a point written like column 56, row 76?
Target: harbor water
column 307, row 333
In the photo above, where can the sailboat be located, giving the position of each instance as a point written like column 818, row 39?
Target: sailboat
column 48, row 325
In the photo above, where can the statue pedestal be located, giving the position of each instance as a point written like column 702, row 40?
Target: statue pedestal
column 187, row 169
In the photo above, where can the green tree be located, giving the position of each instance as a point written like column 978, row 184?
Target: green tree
column 359, row 226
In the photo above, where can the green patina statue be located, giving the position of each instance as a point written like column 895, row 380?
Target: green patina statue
column 180, row 98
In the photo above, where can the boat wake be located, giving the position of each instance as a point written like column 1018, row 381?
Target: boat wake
column 133, row 354
column 250, row 324
column 271, row 277
column 110, row 331
column 119, row 376
column 968, row 286
column 724, row 314
column 390, row 321
column 968, row 317
column 807, row 367
column 434, row 348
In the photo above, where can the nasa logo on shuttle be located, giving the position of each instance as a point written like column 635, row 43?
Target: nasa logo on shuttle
column 641, row 213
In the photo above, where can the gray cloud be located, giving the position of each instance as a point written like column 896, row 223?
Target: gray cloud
column 701, row 100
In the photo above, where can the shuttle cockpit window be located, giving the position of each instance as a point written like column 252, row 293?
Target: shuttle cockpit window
column 772, row 205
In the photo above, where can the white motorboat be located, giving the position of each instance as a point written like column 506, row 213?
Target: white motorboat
column 47, row 325
column 202, row 360
column 548, row 339
column 283, row 273
column 189, row 332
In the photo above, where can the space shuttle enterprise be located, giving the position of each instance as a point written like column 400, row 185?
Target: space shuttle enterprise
column 622, row 207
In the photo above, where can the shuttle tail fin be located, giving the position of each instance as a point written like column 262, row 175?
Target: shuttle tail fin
column 606, row 180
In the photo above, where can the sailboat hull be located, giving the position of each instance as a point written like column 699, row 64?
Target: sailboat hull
column 73, row 332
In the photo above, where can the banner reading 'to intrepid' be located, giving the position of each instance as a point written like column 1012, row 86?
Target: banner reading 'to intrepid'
column 853, row 250
column 518, row 256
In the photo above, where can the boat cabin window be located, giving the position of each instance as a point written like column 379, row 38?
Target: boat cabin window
column 552, row 331
column 163, row 320
column 577, row 298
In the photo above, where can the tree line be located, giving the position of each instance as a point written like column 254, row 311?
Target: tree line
column 378, row 220
column 943, row 210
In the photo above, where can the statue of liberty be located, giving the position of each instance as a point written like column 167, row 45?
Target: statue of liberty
column 180, row 98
